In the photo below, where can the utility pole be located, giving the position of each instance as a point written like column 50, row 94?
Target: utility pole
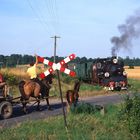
column 59, row 83
column 55, row 40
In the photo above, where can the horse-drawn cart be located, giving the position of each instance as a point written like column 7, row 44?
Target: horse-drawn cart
column 6, row 108
column 7, row 103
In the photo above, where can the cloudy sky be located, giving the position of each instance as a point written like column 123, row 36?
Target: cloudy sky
column 85, row 26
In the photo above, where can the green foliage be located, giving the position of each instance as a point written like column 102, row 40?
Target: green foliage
column 18, row 59
column 67, row 79
column 11, row 79
column 80, row 126
column 131, row 66
column 85, row 108
column 90, row 87
column 134, row 85
column 130, row 113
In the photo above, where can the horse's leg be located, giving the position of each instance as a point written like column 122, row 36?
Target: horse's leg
column 24, row 108
column 24, row 102
column 38, row 103
column 76, row 96
column 47, row 100
column 48, row 104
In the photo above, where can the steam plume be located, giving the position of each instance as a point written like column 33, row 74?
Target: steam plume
column 129, row 31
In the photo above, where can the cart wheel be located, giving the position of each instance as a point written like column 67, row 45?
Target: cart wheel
column 6, row 110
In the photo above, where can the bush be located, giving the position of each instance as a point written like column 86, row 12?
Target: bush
column 130, row 114
column 89, row 87
column 83, row 108
column 67, row 79
column 131, row 66
column 10, row 79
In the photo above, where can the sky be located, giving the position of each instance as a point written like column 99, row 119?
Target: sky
column 85, row 27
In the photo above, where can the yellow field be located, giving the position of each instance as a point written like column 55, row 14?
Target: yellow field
column 21, row 71
column 133, row 73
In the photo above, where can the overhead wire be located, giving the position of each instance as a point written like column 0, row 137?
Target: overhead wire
column 51, row 5
column 49, row 17
column 57, row 17
column 44, row 15
column 54, row 15
column 40, row 18
column 50, row 13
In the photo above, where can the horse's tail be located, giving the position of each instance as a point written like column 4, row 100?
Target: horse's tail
column 21, row 88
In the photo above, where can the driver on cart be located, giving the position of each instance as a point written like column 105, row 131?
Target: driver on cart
column 3, row 86
column 32, row 72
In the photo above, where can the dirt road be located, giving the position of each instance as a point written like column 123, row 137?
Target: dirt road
column 18, row 116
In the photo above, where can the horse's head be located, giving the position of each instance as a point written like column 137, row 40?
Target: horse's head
column 76, row 86
column 48, row 79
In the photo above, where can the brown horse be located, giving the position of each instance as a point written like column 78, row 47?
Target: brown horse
column 72, row 95
column 36, row 89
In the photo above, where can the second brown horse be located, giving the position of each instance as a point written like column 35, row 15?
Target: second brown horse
column 72, row 95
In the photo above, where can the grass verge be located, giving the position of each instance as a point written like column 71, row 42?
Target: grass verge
column 80, row 126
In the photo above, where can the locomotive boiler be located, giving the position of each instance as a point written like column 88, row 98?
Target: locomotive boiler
column 107, row 72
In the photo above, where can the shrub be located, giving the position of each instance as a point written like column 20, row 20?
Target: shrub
column 83, row 108
column 130, row 113
column 67, row 79
column 90, row 87
column 10, row 79
column 131, row 66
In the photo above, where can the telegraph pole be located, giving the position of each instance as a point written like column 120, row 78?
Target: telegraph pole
column 55, row 40
column 59, row 83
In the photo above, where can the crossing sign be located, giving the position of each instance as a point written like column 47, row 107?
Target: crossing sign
column 59, row 66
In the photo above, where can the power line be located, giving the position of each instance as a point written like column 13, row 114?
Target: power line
column 50, row 12
column 45, row 18
column 51, row 6
column 50, row 22
column 54, row 15
column 57, row 15
column 38, row 16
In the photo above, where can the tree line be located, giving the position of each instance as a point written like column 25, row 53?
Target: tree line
column 17, row 59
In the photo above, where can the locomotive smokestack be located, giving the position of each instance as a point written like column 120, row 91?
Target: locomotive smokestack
column 129, row 31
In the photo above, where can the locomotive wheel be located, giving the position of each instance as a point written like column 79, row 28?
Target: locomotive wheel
column 6, row 110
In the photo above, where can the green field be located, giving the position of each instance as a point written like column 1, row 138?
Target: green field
column 86, row 125
column 83, row 125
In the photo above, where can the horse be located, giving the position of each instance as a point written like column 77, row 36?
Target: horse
column 72, row 95
column 37, row 89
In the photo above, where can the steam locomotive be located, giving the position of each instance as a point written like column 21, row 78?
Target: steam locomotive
column 107, row 72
